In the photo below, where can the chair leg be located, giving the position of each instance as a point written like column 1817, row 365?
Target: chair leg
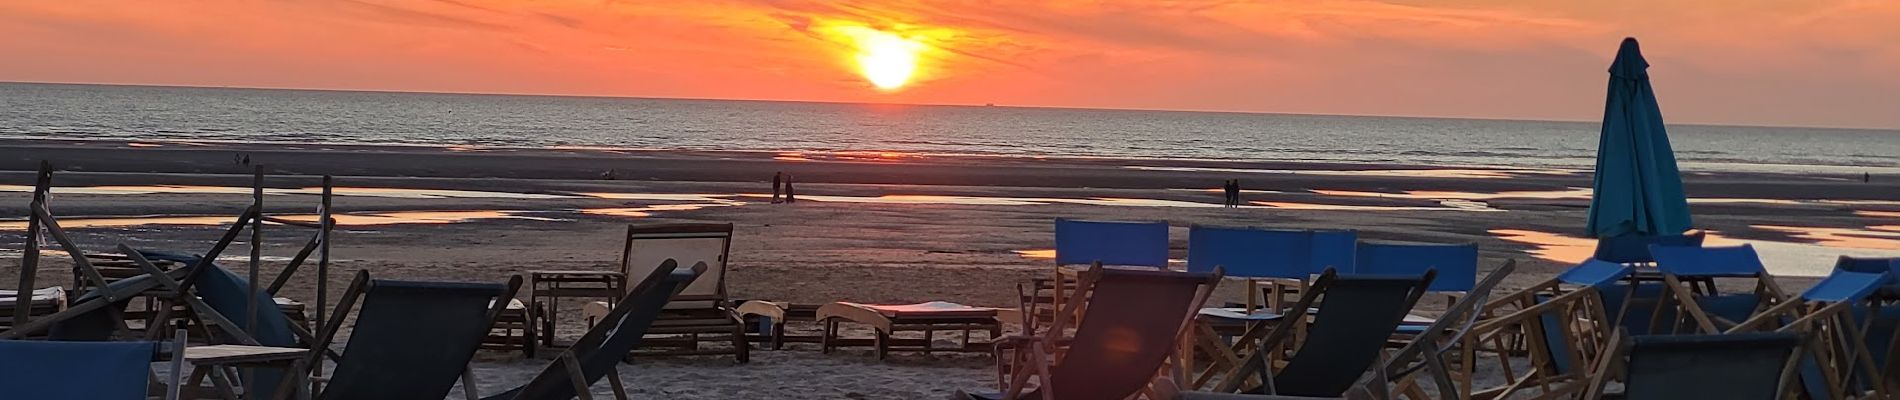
column 469, row 390
column 741, row 348
column 613, row 379
column 574, row 375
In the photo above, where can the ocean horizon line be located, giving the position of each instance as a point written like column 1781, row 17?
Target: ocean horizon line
column 1894, row 129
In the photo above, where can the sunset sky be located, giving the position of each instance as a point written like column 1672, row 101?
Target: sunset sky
column 1755, row 62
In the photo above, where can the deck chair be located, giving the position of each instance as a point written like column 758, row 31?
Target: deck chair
column 1835, row 361
column 412, row 340
column 1272, row 262
column 51, row 370
column 1080, row 243
column 1545, row 337
column 1741, row 366
column 1433, row 354
column 1131, row 329
column 1456, row 267
column 1260, row 256
column 40, row 302
column 1708, row 310
column 595, row 355
column 1633, row 250
column 1347, row 335
column 702, row 308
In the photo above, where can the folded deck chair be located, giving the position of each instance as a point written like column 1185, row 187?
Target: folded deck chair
column 225, row 292
column 1080, row 243
column 1131, row 328
column 703, row 308
column 1707, row 310
column 1456, row 267
column 1112, row 243
column 47, row 370
column 1633, row 250
column 1347, row 335
column 1551, row 331
column 1261, row 256
column 1433, row 353
column 40, row 302
column 1740, row 366
column 619, row 332
column 1835, row 363
column 412, row 340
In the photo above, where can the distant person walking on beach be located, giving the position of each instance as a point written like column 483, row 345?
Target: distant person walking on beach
column 1234, row 199
column 777, row 177
column 789, row 196
column 1228, row 193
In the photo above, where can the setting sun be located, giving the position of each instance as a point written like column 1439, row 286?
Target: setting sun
column 886, row 59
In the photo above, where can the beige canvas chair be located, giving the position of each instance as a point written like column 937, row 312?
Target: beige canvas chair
column 702, row 312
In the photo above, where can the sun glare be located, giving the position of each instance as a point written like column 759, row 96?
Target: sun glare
column 886, row 59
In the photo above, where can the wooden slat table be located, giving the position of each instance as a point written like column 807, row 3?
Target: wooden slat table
column 553, row 285
column 211, row 362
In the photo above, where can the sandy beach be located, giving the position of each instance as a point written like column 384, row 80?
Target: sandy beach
column 869, row 227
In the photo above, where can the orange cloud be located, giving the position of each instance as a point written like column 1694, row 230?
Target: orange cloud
column 1805, row 62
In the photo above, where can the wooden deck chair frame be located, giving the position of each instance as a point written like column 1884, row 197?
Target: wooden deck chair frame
column 1439, row 340
column 721, row 318
column 1685, row 294
column 1611, row 363
column 1518, row 321
column 1831, row 336
column 1046, row 349
column 1257, row 367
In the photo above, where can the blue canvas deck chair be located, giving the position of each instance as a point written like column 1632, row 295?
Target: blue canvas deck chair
column 1705, row 308
column 1081, row 243
column 1742, row 366
column 411, row 340
column 1356, row 316
column 1456, row 267
column 52, row 370
column 1265, row 258
column 1633, row 250
column 1432, row 358
column 1272, row 262
column 594, row 356
column 1546, row 336
column 1836, row 362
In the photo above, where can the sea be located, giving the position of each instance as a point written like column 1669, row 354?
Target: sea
column 151, row 113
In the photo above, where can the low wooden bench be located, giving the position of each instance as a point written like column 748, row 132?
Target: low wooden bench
column 770, row 318
column 922, row 317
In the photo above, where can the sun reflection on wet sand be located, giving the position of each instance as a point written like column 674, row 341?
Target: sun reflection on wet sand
column 340, row 191
column 1349, row 207
column 1467, row 173
column 1840, row 237
column 1781, row 258
column 1551, row 246
column 344, row 220
column 1879, row 214
column 647, row 211
column 1038, row 254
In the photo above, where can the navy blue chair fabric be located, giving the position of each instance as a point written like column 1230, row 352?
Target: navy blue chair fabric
column 1143, row 244
column 1739, row 366
column 412, row 340
column 1250, row 252
column 609, row 341
column 48, row 370
column 1709, row 262
column 1457, row 264
column 1634, row 249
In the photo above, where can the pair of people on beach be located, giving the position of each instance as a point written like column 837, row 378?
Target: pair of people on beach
column 781, row 179
column 1232, row 188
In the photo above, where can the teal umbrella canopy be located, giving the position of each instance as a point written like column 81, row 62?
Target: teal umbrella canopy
column 1638, row 189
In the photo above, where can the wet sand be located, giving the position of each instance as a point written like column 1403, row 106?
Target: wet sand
column 884, row 228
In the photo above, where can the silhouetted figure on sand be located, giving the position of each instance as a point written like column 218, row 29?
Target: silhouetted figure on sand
column 790, row 196
column 1234, row 198
column 1866, row 177
column 777, row 177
